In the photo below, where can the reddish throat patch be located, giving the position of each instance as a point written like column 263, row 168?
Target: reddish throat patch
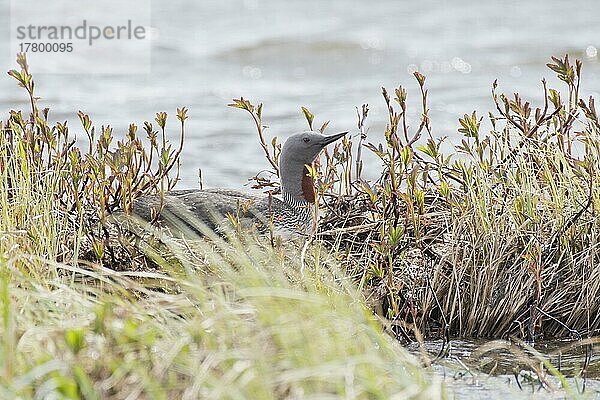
column 308, row 186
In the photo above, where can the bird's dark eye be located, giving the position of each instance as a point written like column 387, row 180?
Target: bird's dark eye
column 306, row 140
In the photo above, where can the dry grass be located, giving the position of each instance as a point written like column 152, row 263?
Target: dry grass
column 242, row 326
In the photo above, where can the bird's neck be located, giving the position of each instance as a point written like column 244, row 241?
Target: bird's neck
column 298, row 186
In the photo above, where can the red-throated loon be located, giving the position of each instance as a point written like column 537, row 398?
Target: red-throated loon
column 291, row 215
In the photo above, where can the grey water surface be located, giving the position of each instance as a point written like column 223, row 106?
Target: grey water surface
column 481, row 369
column 330, row 56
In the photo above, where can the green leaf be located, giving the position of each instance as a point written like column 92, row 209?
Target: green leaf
column 75, row 339
column 86, row 387
column 395, row 235
column 309, row 117
column 182, row 114
column 406, row 155
column 242, row 104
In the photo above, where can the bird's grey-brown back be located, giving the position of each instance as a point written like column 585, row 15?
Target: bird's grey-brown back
column 290, row 214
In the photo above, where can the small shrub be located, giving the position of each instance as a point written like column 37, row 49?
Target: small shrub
column 76, row 185
column 497, row 238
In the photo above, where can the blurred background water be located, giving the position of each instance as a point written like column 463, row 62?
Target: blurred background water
column 330, row 56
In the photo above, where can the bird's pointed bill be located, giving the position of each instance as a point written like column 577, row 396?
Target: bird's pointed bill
column 333, row 138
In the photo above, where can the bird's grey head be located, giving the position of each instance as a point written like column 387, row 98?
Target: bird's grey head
column 299, row 150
